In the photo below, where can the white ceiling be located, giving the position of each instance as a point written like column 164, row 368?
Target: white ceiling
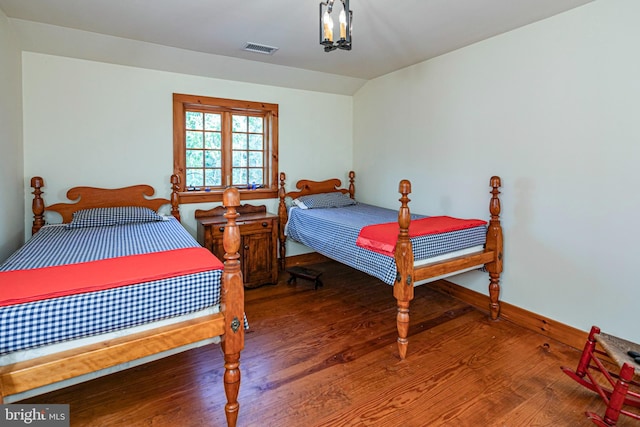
column 387, row 35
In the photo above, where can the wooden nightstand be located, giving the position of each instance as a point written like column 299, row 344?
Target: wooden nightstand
column 258, row 246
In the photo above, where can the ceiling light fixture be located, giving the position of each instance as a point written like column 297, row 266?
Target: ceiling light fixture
column 326, row 26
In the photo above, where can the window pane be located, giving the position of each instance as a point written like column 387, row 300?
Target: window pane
column 212, row 177
column 255, row 159
column 193, row 120
column 239, row 176
column 255, row 142
column 212, row 121
column 255, row 124
column 224, row 142
column 255, row 175
column 194, row 139
column 239, row 141
column 239, row 123
column 194, row 178
column 213, row 140
column 212, row 159
column 194, row 159
column 239, row 158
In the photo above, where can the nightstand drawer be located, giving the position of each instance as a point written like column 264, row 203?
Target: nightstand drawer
column 247, row 227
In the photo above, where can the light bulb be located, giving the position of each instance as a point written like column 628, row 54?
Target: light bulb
column 328, row 26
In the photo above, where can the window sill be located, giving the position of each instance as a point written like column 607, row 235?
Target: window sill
column 216, row 195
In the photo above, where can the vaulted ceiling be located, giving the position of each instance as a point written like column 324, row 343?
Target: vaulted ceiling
column 387, row 35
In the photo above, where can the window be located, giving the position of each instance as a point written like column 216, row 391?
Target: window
column 219, row 143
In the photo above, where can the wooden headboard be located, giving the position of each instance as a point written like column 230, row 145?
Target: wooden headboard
column 91, row 197
column 306, row 187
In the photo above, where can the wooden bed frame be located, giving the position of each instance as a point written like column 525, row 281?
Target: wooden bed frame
column 228, row 323
column 408, row 274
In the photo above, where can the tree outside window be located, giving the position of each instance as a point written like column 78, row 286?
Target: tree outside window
column 222, row 142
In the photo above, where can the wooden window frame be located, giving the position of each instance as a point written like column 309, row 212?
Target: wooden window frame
column 181, row 104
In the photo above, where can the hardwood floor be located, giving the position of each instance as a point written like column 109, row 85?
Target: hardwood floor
column 328, row 357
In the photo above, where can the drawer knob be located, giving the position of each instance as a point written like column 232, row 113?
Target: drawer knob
column 246, row 247
column 221, row 228
column 264, row 224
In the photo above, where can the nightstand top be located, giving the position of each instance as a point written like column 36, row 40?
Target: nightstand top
column 242, row 218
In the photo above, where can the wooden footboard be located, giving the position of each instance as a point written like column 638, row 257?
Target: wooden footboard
column 408, row 274
column 228, row 324
column 23, row 376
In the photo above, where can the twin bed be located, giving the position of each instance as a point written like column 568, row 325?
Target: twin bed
column 116, row 284
column 380, row 242
column 113, row 286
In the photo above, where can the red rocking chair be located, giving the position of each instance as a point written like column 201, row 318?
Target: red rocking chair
column 616, row 389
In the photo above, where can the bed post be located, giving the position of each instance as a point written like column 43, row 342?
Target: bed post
column 494, row 243
column 232, row 294
column 37, row 205
column 283, row 218
column 352, row 186
column 175, row 196
column 403, row 287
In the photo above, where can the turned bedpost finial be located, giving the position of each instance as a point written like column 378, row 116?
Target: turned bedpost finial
column 231, row 240
column 37, row 205
column 175, row 196
column 231, row 243
column 494, row 206
column 281, row 191
column 231, row 198
column 352, row 186
column 403, row 214
column 405, row 187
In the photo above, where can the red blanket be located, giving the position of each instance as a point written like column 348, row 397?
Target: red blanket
column 21, row 286
column 381, row 238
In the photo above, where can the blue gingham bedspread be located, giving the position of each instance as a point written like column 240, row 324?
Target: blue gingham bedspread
column 54, row 320
column 333, row 233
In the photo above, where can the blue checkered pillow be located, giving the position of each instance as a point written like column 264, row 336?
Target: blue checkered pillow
column 325, row 200
column 99, row 217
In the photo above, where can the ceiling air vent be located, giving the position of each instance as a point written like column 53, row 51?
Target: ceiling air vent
column 260, row 48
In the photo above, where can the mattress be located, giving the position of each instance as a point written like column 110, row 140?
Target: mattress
column 333, row 232
column 54, row 320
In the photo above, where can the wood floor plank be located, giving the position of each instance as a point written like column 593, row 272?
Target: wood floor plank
column 328, row 357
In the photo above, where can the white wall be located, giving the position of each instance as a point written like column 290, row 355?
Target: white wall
column 553, row 108
column 97, row 124
column 11, row 168
column 72, row 43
